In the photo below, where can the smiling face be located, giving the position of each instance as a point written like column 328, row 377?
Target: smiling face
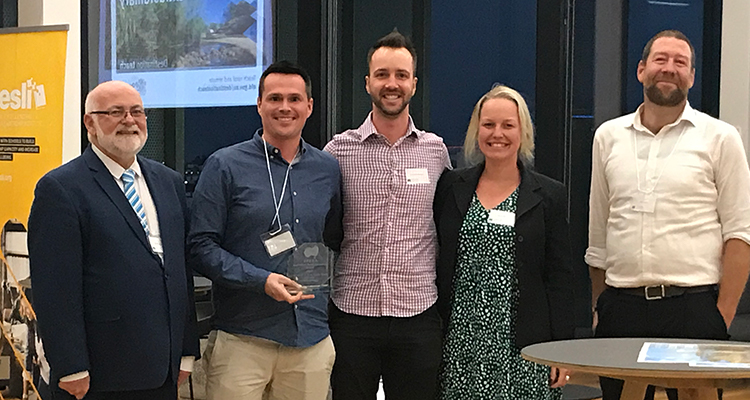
column 499, row 134
column 391, row 82
column 284, row 107
column 667, row 74
column 119, row 138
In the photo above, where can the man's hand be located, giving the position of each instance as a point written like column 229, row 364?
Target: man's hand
column 77, row 388
column 279, row 286
column 558, row 377
column 727, row 312
column 598, row 286
column 735, row 264
column 182, row 377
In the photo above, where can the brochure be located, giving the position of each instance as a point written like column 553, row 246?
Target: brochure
column 696, row 355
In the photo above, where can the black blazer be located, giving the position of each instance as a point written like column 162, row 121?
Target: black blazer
column 545, row 304
column 104, row 301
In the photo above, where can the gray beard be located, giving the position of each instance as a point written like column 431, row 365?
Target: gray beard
column 674, row 98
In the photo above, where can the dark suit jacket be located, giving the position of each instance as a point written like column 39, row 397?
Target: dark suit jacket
column 545, row 304
column 104, row 301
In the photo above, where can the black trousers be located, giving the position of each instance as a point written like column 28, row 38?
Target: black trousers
column 406, row 352
column 690, row 316
column 168, row 391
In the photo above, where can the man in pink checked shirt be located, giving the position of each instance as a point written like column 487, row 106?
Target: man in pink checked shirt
column 382, row 316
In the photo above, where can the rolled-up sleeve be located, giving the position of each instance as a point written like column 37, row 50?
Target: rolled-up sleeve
column 596, row 253
column 733, row 187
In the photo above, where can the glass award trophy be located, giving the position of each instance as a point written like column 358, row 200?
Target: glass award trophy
column 310, row 266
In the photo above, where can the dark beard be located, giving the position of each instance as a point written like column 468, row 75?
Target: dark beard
column 390, row 112
column 674, row 98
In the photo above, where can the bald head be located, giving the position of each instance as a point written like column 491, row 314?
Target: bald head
column 106, row 90
column 115, row 121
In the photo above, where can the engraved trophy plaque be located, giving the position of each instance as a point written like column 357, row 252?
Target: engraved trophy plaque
column 310, row 266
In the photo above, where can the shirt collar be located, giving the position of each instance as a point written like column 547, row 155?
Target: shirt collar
column 688, row 114
column 258, row 140
column 367, row 128
column 113, row 167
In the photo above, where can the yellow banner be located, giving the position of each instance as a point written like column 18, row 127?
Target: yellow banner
column 32, row 79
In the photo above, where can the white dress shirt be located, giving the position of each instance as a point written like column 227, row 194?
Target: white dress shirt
column 662, row 205
column 141, row 187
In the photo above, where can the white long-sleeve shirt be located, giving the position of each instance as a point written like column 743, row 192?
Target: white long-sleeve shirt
column 662, row 205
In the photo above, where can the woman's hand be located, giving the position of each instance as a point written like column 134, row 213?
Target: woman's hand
column 558, row 377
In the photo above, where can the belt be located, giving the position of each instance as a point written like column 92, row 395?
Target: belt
column 656, row 292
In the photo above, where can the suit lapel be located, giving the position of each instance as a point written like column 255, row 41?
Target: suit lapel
column 466, row 186
column 103, row 177
column 527, row 192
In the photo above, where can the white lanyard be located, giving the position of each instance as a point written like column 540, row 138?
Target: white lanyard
column 664, row 167
column 277, row 204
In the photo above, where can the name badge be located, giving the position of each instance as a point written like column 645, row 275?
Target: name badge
column 278, row 241
column 645, row 203
column 416, row 176
column 155, row 243
column 499, row 217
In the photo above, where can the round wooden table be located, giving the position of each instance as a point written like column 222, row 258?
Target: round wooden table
column 617, row 358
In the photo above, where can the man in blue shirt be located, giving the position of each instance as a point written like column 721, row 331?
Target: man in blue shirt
column 268, row 336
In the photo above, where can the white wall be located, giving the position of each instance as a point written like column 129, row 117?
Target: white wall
column 57, row 12
column 735, row 67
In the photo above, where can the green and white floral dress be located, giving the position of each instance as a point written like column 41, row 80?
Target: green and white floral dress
column 480, row 357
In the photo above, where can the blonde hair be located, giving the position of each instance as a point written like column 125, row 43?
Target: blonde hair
column 472, row 154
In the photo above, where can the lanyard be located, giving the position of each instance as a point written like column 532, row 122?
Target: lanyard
column 277, row 204
column 664, row 167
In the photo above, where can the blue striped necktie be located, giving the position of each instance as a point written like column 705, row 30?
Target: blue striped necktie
column 128, row 179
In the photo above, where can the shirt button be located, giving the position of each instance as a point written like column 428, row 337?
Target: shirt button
column 295, row 306
column 276, row 151
column 294, row 193
column 296, row 220
column 520, row 238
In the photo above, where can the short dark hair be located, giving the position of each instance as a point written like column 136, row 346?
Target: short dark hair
column 394, row 40
column 672, row 33
column 287, row 68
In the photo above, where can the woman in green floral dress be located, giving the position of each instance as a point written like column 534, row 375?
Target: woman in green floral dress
column 504, row 266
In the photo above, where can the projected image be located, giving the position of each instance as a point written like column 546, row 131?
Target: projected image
column 187, row 53
column 185, row 34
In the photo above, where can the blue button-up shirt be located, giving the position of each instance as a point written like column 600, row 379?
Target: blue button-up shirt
column 232, row 206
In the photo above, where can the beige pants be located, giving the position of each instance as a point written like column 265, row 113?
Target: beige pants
column 240, row 367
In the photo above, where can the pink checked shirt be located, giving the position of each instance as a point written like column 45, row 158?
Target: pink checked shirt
column 387, row 261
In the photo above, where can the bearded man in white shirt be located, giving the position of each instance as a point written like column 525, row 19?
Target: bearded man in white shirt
column 669, row 222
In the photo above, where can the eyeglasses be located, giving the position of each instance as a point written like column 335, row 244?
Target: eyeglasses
column 136, row 113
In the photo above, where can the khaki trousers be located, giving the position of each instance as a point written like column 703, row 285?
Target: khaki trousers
column 240, row 367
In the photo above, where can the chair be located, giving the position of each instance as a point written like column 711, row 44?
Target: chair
column 204, row 310
column 580, row 392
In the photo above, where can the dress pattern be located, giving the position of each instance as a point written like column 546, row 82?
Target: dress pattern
column 480, row 357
